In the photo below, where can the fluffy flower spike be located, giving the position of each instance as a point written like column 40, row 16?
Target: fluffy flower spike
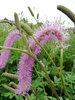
column 24, row 73
column 8, row 43
column 49, row 31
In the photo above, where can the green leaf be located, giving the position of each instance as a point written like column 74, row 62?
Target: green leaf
column 36, row 83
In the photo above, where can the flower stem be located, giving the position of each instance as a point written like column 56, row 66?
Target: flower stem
column 34, row 91
column 19, row 50
column 61, row 76
column 41, row 79
column 25, row 41
column 48, row 78
column 44, row 87
column 46, row 53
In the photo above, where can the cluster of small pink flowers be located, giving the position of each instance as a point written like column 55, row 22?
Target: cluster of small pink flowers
column 48, row 31
column 24, row 73
column 8, row 43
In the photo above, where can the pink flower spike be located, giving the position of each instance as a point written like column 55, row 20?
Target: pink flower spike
column 48, row 31
column 24, row 73
column 8, row 43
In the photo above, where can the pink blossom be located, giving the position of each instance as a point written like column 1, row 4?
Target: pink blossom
column 49, row 31
column 8, row 43
column 24, row 73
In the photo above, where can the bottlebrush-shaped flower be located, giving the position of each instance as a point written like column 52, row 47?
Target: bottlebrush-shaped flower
column 24, row 73
column 49, row 31
column 8, row 43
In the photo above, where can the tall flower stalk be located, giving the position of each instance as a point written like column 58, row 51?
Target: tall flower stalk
column 61, row 74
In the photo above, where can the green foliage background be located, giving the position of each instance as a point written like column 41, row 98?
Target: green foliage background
column 38, row 77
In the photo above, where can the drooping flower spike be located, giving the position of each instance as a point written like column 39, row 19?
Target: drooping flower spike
column 24, row 73
column 8, row 43
column 48, row 31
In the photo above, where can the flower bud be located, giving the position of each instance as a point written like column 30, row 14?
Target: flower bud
column 17, row 21
column 31, row 11
column 12, row 76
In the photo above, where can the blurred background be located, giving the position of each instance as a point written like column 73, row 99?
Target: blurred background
column 47, row 9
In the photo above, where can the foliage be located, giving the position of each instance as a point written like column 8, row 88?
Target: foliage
column 38, row 77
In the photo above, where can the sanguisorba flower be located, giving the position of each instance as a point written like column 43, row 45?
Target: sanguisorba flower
column 8, row 43
column 24, row 73
column 49, row 31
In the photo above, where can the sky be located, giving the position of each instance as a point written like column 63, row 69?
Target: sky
column 47, row 9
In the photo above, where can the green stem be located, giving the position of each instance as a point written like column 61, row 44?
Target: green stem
column 48, row 79
column 34, row 92
column 36, row 71
column 42, row 66
column 42, row 80
column 44, row 87
column 25, row 42
column 61, row 76
column 19, row 50
column 46, row 53
column 36, row 20
column 61, row 60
